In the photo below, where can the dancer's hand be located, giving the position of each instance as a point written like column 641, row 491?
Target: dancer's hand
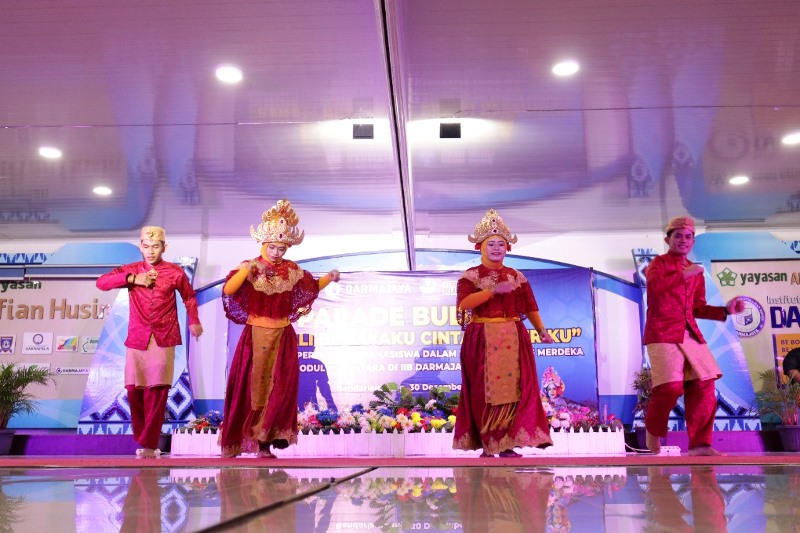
column 504, row 287
column 735, row 306
column 692, row 270
column 545, row 337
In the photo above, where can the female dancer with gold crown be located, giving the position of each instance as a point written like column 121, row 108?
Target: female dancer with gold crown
column 267, row 294
column 499, row 407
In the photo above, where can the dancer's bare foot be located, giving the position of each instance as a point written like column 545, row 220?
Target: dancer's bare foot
column 147, row 453
column 706, row 451
column 510, row 453
column 264, row 451
column 653, row 443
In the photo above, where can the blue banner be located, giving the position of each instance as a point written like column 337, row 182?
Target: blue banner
column 375, row 328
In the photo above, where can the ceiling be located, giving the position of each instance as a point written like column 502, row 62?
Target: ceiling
column 672, row 98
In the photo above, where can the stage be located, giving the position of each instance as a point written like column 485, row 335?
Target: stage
column 737, row 492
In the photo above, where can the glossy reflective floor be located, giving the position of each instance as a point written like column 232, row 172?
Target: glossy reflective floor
column 507, row 499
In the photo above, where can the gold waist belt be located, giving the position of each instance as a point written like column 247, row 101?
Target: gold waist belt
column 267, row 322
column 486, row 320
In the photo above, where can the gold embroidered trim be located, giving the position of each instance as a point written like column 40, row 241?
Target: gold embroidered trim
column 485, row 320
column 516, row 278
column 274, row 284
column 522, row 439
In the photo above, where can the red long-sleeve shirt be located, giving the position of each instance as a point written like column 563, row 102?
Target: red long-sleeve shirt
column 674, row 302
column 153, row 310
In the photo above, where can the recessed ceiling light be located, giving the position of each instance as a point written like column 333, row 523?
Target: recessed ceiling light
column 229, row 73
column 738, row 180
column 792, row 138
column 49, row 152
column 566, row 68
column 102, row 190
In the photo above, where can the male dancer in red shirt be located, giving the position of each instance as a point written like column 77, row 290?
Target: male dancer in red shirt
column 680, row 361
column 153, row 332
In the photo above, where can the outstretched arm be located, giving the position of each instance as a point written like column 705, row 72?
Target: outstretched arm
column 325, row 280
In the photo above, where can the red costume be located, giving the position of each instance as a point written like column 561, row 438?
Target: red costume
column 261, row 395
column 153, row 333
column 153, row 309
column 680, row 359
column 499, row 406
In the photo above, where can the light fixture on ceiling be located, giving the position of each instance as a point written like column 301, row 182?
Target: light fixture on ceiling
column 566, row 68
column 450, row 130
column 49, row 152
column 229, row 74
column 102, row 190
column 739, row 180
column 791, row 139
column 363, row 130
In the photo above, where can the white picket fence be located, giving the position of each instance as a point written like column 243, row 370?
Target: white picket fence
column 434, row 444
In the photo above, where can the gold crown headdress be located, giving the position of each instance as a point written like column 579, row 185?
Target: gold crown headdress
column 491, row 224
column 279, row 224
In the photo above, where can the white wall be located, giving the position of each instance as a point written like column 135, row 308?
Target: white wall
column 609, row 252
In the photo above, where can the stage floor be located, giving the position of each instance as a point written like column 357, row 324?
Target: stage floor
column 636, row 492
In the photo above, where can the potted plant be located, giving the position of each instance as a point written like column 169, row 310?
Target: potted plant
column 15, row 396
column 780, row 401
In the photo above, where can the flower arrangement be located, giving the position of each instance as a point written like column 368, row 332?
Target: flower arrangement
column 395, row 409
column 207, row 423
column 576, row 416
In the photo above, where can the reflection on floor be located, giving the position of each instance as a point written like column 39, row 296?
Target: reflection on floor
column 502, row 498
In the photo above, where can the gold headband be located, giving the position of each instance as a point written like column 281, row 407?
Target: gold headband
column 491, row 224
column 279, row 224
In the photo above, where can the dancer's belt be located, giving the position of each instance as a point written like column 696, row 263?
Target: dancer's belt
column 486, row 320
column 267, row 322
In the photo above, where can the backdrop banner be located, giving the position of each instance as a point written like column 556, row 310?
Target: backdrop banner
column 376, row 328
column 53, row 323
column 770, row 325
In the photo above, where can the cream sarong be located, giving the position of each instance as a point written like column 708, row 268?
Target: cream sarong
column 152, row 367
column 686, row 361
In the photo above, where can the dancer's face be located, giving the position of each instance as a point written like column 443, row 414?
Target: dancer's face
column 152, row 251
column 495, row 248
column 680, row 241
column 274, row 251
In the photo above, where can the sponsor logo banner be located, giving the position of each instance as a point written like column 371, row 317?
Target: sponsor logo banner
column 89, row 344
column 71, row 370
column 66, row 343
column 8, row 344
column 37, row 342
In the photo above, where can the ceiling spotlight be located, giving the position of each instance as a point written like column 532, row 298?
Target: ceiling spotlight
column 363, row 130
column 566, row 68
column 739, row 180
column 102, row 190
column 449, row 130
column 48, row 152
column 792, row 138
column 229, row 74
